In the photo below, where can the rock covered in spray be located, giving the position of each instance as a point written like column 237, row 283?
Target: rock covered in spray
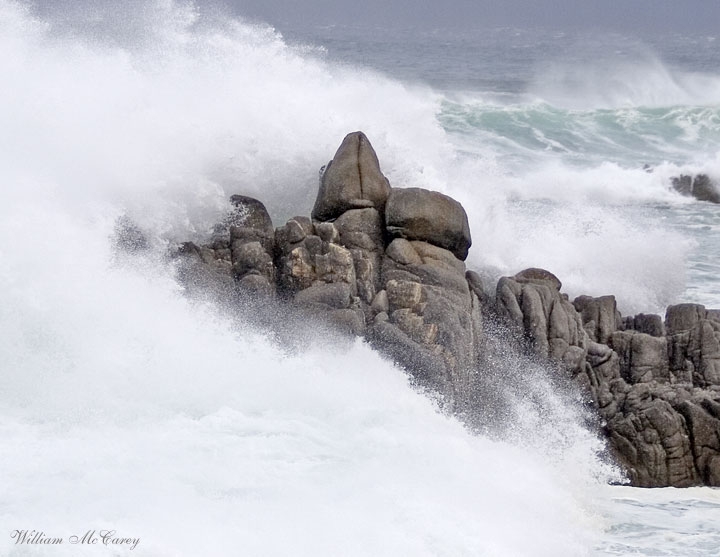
column 654, row 385
column 700, row 186
column 388, row 264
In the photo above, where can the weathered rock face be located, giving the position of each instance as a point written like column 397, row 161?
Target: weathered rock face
column 533, row 302
column 251, row 244
column 599, row 316
column 649, row 324
column 650, row 439
column 252, row 216
column 694, row 345
column 432, row 315
column 419, row 214
column 352, row 180
column 643, row 358
column 317, row 273
column 361, row 232
column 388, row 264
column 651, row 389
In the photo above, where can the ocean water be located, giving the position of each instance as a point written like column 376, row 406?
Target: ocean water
column 128, row 407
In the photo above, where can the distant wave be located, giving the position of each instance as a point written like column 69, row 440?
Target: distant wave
column 630, row 136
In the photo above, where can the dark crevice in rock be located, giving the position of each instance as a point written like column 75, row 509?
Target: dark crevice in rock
column 359, row 166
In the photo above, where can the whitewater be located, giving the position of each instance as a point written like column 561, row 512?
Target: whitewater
column 128, row 407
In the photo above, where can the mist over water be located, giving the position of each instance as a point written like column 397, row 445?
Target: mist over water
column 126, row 405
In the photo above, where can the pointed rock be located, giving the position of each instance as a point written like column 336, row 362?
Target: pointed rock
column 352, row 180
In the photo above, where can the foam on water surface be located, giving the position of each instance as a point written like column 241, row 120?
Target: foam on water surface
column 662, row 522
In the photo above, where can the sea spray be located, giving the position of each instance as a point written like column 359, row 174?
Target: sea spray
column 140, row 411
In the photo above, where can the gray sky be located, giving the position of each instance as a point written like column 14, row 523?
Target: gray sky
column 625, row 15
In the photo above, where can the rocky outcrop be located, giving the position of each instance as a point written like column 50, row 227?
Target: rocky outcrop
column 387, row 264
column 694, row 344
column 380, row 263
column 700, row 186
column 654, row 384
column 532, row 301
column 238, row 260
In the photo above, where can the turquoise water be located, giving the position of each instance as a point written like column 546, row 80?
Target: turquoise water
column 632, row 136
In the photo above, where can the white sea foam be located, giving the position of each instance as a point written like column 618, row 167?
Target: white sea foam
column 187, row 113
column 126, row 406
